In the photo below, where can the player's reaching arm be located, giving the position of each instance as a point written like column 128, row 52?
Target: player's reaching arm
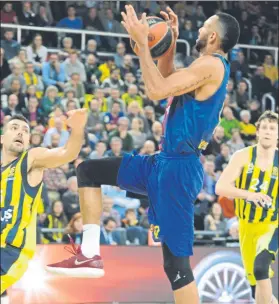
column 166, row 64
column 51, row 158
column 226, row 183
column 178, row 83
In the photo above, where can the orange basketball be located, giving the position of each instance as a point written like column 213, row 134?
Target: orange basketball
column 160, row 38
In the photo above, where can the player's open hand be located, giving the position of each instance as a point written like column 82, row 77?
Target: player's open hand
column 260, row 199
column 77, row 119
column 137, row 29
column 172, row 19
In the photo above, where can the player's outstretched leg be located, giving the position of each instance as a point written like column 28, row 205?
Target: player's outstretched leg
column 86, row 262
column 180, row 275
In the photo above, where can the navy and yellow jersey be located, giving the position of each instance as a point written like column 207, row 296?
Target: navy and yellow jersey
column 190, row 123
column 255, row 180
column 19, row 204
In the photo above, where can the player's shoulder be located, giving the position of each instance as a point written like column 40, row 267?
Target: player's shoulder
column 242, row 156
column 208, row 63
column 33, row 153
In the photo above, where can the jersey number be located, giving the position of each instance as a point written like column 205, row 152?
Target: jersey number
column 256, row 187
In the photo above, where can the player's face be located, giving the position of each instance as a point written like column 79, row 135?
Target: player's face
column 268, row 133
column 206, row 32
column 16, row 136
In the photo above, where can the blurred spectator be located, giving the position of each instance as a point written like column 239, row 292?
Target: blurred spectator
column 223, row 158
column 56, row 130
column 129, row 79
column 132, row 95
column 55, row 181
column 106, row 68
column 74, row 229
column 53, row 72
column 91, row 49
column 107, row 237
column 260, row 83
column 245, row 25
column 135, row 111
column 37, row 53
column 92, row 84
column 235, row 143
column 239, row 67
column 111, row 25
column 10, row 46
column 116, row 147
column 189, row 33
column 137, row 133
column 255, row 38
column 55, row 219
column 95, row 119
column 157, row 132
column 50, row 100
column 111, row 118
column 12, row 108
column 210, row 178
column 4, row 66
column 215, row 220
column 99, row 151
column 73, row 65
column 92, row 21
column 127, row 66
column 92, row 69
column 36, row 139
column 198, row 18
column 230, row 89
column 8, row 15
column 99, row 95
column 76, row 84
column 67, row 48
column 150, row 115
column 122, row 132
column 270, row 70
column 27, row 16
column 71, row 21
column 119, row 55
column 148, row 148
column 70, row 198
column 214, row 145
column 255, row 111
column 32, row 112
column 44, row 16
column 69, row 96
column 16, row 89
column 113, row 82
column 57, row 113
column 32, row 79
column 234, row 230
column 115, row 97
column 262, row 25
column 242, row 94
column 229, row 122
column 109, row 211
column 20, row 60
column 248, row 130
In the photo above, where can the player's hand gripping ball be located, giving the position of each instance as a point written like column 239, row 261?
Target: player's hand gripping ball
column 159, row 35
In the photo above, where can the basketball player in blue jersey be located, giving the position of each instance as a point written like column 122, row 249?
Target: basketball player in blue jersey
column 172, row 178
column 21, row 186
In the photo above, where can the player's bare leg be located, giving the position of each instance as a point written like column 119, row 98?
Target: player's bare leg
column 264, row 292
column 187, row 294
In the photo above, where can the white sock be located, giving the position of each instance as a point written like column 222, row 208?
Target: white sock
column 90, row 245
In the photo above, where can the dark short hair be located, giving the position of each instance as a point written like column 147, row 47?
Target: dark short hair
column 16, row 117
column 231, row 31
column 270, row 115
column 108, row 219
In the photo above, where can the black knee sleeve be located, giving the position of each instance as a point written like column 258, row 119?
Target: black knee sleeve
column 177, row 269
column 253, row 291
column 97, row 172
column 261, row 265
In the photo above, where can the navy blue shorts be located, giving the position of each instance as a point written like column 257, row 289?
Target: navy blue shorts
column 172, row 185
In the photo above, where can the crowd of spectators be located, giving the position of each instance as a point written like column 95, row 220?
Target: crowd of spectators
column 43, row 85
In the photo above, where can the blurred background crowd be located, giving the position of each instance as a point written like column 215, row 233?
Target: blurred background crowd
column 48, row 74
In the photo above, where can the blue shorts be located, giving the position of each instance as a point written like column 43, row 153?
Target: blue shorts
column 172, row 184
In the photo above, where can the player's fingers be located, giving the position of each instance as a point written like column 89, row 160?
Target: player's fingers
column 143, row 18
column 171, row 13
column 165, row 15
column 124, row 16
column 133, row 14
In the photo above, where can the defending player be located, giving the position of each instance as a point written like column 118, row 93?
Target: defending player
column 172, row 178
column 21, row 186
column 251, row 178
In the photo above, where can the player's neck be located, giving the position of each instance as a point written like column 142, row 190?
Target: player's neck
column 210, row 51
column 265, row 153
column 7, row 158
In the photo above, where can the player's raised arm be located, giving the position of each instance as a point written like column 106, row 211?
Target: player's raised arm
column 51, row 158
column 226, row 183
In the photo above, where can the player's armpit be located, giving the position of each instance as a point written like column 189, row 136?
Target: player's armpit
column 186, row 80
column 226, row 183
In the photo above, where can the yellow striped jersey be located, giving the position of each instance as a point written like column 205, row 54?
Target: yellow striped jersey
column 19, row 203
column 255, row 180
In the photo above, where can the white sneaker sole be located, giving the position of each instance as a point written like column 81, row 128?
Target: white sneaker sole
column 84, row 272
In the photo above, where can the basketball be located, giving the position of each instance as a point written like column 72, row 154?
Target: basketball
column 160, row 37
